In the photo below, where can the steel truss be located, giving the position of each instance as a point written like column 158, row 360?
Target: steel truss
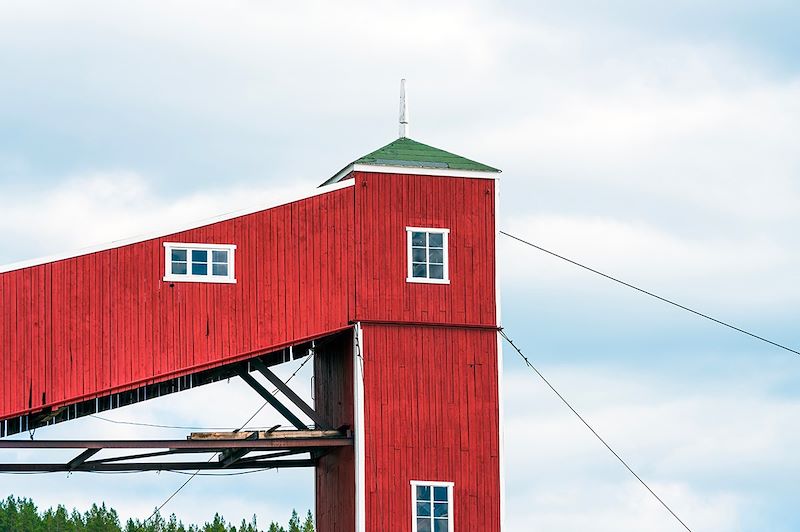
column 235, row 450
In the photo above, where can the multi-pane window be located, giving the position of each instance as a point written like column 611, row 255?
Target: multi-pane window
column 427, row 255
column 432, row 506
column 205, row 263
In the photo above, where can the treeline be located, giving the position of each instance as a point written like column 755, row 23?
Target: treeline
column 22, row 515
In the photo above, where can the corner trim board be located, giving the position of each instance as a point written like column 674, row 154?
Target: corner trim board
column 358, row 436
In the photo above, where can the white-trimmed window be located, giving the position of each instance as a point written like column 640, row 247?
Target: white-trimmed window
column 199, row 263
column 432, row 506
column 427, row 255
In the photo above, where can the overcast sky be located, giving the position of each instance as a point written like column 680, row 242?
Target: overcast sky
column 654, row 140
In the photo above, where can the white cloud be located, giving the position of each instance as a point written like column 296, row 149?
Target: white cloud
column 699, row 450
column 716, row 269
column 621, row 506
column 667, row 159
column 108, row 206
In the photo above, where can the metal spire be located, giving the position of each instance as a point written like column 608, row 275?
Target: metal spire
column 405, row 127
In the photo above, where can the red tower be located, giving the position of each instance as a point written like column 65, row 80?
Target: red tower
column 426, row 393
column 388, row 271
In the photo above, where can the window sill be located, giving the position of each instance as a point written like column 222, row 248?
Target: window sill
column 190, row 279
column 424, row 280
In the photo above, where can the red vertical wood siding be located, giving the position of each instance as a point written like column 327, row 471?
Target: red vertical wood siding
column 431, row 413
column 431, row 393
column 388, row 203
column 105, row 322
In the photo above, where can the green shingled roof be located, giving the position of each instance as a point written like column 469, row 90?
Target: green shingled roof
column 409, row 153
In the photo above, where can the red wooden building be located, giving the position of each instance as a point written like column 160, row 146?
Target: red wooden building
column 386, row 272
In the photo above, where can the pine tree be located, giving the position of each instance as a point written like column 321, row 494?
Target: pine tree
column 217, row 525
column 252, row 526
column 294, row 522
column 308, row 525
column 275, row 527
column 22, row 515
column 101, row 519
column 28, row 516
column 57, row 520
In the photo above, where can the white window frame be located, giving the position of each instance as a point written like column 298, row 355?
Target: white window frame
column 445, row 252
column 209, row 277
column 433, row 484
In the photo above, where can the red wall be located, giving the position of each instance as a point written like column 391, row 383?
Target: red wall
column 430, row 392
column 388, row 203
column 105, row 322
column 431, row 413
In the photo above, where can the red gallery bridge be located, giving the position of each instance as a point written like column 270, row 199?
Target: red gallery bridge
column 386, row 274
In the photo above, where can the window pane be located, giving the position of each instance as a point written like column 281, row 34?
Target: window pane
column 179, row 268
column 420, row 270
column 440, row 509
column 179, row 254
column 435, row 240
column 423, row 525
column 199, row 255
column 423, row 493
column 437, row 272
column 220, row 269
column 436, row 256
column 440, row 494
column 440, row 525
column 219, row 256
column 418, row 239
column 423, row 509
column 199, row 268
column 418, row 254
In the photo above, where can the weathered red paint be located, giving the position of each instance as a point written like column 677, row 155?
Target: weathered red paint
column 104, row 322
column 431, row 413
column 388, row 203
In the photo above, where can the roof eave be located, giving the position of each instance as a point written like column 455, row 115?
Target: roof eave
column 412, row 170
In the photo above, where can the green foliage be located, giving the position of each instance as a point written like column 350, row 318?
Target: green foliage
column 294, row 522
column 22, row 515
column 308, row 525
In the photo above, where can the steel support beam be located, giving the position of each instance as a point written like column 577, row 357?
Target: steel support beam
column 81, row 458
column 229, row 456
column 290, row 394
column 271, row 399
column 272, row 450
column 196, row 445
column 155, row 466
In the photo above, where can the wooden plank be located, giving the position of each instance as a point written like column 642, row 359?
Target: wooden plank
column 264, row 434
